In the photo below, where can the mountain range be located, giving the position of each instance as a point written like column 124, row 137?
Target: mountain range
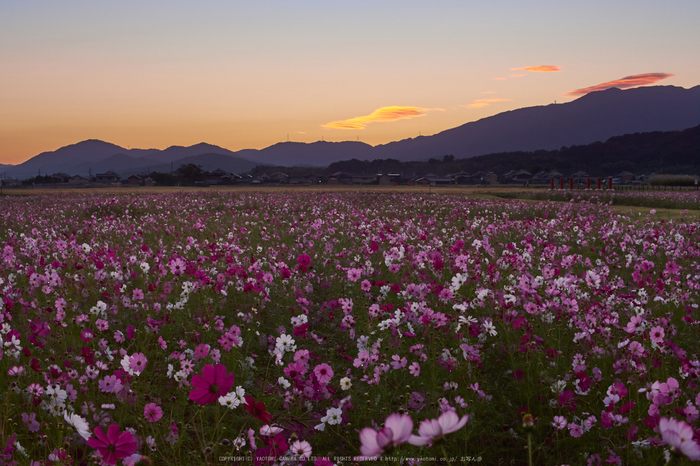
column 593, row 117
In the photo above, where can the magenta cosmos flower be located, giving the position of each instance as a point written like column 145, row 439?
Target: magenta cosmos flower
column 431, row 430
column 679, row 436
column 213, row 383
column 397, row 430
column 114, row 445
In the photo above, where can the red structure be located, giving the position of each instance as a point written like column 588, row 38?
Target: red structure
column 571, row 183
column 599, row 185
column 551, row 181
column 588, row 183
column 561, row 183
column 610, row 182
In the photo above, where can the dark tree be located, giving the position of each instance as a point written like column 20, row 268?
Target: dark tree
column 190, row 174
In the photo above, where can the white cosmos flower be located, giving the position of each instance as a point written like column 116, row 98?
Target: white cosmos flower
column 78, row 423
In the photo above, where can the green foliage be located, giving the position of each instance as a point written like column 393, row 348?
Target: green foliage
column 673, row 180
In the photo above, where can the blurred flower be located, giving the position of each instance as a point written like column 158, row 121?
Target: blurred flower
column 431, row 430
column 30, row 422
column 397, row 430
column 679, row 436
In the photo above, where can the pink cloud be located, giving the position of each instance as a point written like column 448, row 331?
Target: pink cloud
column 624, row 83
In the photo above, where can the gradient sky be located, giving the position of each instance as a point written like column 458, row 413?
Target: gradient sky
column 237, row 74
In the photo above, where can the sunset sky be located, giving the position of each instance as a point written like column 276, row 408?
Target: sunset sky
column 249, row 74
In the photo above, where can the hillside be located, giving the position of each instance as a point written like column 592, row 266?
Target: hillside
column 640, row 153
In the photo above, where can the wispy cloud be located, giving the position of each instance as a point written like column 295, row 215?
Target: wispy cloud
column 624, row 83
column 381, row 114
column 539, row 68
column 480, row 103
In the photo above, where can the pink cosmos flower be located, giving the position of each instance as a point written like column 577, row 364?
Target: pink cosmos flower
column 213, row 383
column 110, row 384
column 294, row 370
column 114, row 445
column 323, row 373
column 201, row 351
column 414, row 369
column 657, row 335
column 560, row 422
column 398, row 362
column 301, row 448
column 137, row 362
column 432, row 430
column 361, row 360
column 679, row 436
column 86, row 335
column 575, row 430
column 152, row 412
column 30, row 422
column 397, row 430
column 354, row 274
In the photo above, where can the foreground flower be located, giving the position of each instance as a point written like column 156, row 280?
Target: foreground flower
column 679, row 436
column 114, row 445
column 432, row 430
column 397, row 430
column 213, row 383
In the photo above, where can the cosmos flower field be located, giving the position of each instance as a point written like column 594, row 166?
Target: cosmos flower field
column 330, row 328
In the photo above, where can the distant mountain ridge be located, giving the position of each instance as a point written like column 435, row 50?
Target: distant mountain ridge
column 94, row 156
column 594, row 117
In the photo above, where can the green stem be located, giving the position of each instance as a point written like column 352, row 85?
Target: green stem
column 529, row 449
column 447, row 458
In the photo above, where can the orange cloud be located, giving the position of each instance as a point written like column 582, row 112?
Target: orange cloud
column 381, row 114
column 624, row 83
column 479, row 103
column 539, row 68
